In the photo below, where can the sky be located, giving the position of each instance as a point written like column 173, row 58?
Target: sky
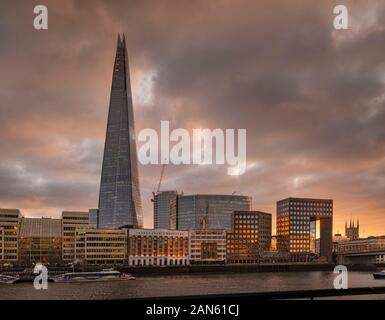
column 311, row 98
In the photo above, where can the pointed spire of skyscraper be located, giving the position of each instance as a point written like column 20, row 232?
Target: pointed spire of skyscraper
column 119, row 197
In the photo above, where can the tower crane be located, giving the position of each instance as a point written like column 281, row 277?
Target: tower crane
column 159, row 184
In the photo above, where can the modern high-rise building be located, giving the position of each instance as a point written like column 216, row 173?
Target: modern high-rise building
column 119, row 198
column 164, row 215
column 209, row 211
column 250, row 238
column 297, row 227
column 9, row 233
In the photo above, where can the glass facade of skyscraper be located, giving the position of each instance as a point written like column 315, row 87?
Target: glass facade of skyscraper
column 119, row 199
column 209, row 211
column 163, row 210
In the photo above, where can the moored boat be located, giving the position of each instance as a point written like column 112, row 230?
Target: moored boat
column 8, row 279
column 379, row 275
column 105, row 275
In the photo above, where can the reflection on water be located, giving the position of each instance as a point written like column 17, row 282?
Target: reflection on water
column 177, row 285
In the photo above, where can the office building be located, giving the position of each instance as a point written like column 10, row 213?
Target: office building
column 71, row 220
column 164, row 210
column 250, row 236
column 100, row 247
column 296, row 228
column 40, row 240
column 158, row 247
column 119, row 197
column 9, row 233
column 209, row 211
column 207, row 246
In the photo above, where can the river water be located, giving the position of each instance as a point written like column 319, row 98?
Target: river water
column 193, row 284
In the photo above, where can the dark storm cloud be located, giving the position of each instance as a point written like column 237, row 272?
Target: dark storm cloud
column 311, row 98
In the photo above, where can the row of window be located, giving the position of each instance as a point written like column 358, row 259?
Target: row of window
column 160, row 262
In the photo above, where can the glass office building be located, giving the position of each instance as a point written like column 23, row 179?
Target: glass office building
column 119, row 198
column 164, row 215
column 209, row 211
column 296, row 227
column 40, row 241
column 250, row 238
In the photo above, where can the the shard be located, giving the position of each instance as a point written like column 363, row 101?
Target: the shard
column 119, row 198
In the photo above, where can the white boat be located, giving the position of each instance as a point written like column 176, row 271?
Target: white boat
column 8, row 279
column 105, row 275
column 379, row 275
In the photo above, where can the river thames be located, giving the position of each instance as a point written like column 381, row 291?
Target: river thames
column 193, row 284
